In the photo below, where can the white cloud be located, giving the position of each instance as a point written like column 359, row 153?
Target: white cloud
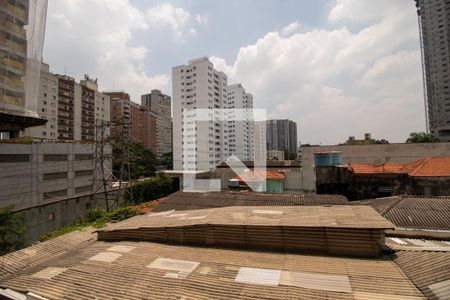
column 165, row 14
column 291, row 28
column 201, row 19
column 100, row 46
column 336, row 83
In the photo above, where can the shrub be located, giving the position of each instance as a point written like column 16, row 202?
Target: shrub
column 150, row 189
column 11, row 229
column 121, row 214
column 95, row 214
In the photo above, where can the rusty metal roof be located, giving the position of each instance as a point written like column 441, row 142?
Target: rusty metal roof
column 158, row 271
column 189, row 201
column 414, row 212
column 429, row 270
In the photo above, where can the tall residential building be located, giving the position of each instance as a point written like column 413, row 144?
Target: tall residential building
column 21, row 44
column 240, row 132
column 198, row 85
column 434, row 21
column 161, row 105
column 136, row 121
column 282, row 136
column 72, row 110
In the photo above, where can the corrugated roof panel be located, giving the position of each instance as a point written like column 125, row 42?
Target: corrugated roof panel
column 188, row 201
column 414, row 211
column 441, row 290
column 316, row 281
column 258, row 276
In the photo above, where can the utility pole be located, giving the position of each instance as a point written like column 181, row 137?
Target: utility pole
column 103, row 175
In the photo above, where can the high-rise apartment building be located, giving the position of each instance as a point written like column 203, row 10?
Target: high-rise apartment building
column 198, row 85
column 282, row 136
column 21, row 44
column 71, row 109
column 434, row 20
column 240, row 132
column 133, row 120
column 161, row 105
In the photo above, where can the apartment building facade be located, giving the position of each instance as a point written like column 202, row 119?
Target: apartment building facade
column 133, row 120
column 282, row 136
column 434, row 18
column 21, row 44
column 161, row 105
column 71, row 109
column 198, row 85
column 240, row 132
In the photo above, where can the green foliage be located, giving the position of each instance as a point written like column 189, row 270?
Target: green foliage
column 142, row 162
column 167, row 161
column 121, row 214
column 96, row 217
column 150, row 189
column 422, row 137
column 95, row 214
column 63, row 230
column 11, row 229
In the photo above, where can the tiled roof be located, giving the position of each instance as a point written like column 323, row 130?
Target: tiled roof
column 189, row 201
column 372, row 169
column 429, row 167
column 429, row 213
column 425, row 167
column 258, row 176
column 144, row 270
column 429, row 270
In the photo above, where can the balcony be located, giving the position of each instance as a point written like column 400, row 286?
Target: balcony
column 13, row 63
column 16, row 11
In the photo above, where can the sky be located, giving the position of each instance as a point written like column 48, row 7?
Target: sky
column 338, row 68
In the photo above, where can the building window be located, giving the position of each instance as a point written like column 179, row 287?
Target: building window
column 83, row 173
column 56, row 175
column 55, row 194
column 6, row 158
column 55, row 157
column 51, row 217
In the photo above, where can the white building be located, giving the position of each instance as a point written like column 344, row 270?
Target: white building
column 199, row 86
column 240, row 132
column 72, row 109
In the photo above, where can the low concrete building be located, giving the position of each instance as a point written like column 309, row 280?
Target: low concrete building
column 290, row 168
column 376, row 154
column 428, row 176
column 268, row 181
column 275, row 155
column 40, row 173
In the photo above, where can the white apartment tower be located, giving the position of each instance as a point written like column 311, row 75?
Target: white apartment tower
column 198, row 85
column 240, row 125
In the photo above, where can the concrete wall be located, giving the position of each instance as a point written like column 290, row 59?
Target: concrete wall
column 370, row 154
column 46, row 218
column 27, row 183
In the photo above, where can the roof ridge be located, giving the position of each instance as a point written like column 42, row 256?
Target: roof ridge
column 396, row 202
column 420, row 166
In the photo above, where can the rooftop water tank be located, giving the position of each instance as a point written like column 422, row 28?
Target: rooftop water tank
column 327, row 159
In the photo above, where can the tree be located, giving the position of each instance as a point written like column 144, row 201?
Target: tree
column 167, row 161
column 142, row 162
column 11, row 229
column 422, row 137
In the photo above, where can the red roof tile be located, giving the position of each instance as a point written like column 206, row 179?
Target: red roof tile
column 257, row 176
column 425, row 167
column 371, row 169
column 429, row 167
